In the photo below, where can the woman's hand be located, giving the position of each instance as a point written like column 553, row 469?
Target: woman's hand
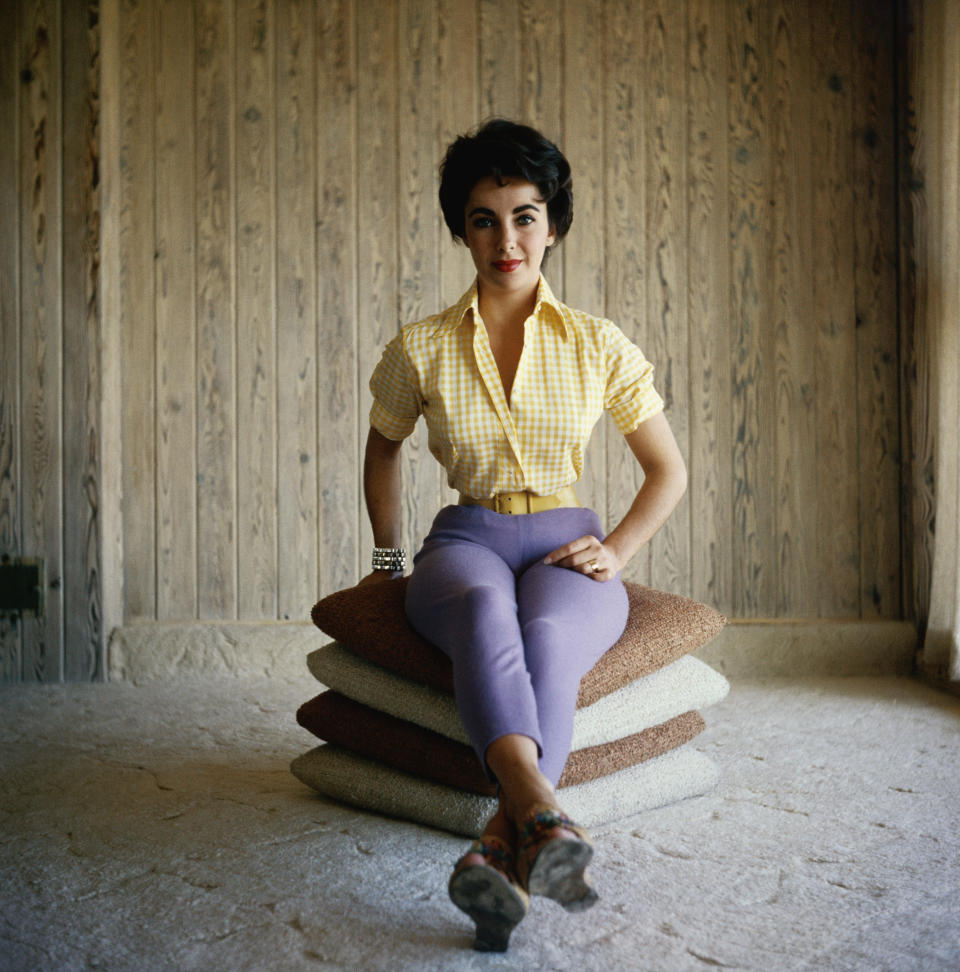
column 586, row 555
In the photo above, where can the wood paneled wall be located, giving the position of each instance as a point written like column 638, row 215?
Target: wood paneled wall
column 736, row 201
column 930, row 312
column 274, row 220
column 50, row 491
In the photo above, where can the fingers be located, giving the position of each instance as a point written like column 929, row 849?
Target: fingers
column 586, row 555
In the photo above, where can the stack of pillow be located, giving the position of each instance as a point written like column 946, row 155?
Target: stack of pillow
column 395, row 744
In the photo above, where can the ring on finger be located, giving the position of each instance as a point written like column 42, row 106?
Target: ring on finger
column 595, row 568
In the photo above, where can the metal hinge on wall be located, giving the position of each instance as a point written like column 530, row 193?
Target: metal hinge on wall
column 21, row 587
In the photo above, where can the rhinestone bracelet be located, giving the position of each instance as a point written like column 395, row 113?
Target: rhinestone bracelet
column 389, row 558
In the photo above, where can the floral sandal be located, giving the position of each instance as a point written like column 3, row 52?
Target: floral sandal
column 484, row 886
column 552, row 856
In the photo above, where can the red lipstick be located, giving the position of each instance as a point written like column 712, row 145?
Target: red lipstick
column 507, row 266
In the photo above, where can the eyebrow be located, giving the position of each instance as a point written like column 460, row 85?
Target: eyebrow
column 489, row 212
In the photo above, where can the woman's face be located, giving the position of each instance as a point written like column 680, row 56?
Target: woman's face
column 507, row 230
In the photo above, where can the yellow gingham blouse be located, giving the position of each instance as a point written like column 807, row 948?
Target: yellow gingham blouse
column 573, row 367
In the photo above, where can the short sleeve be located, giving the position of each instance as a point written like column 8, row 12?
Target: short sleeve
column 629, row 396
column 396, row 395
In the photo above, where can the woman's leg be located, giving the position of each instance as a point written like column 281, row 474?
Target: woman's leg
column 462, row 597
column 568, row 621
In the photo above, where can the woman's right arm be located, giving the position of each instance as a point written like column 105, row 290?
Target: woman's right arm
column 381, row 490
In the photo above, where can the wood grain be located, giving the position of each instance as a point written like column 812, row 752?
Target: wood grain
column 748, row 107
column 418, row 236
column 457, row 113
column 541, row 85
column 175, row 309
column 919, row 91
column 84, row 642
column 378, row 211
column 10, row 240
column 138, row 308
column 297, row 460
column 710, row 462
column 625, row 134
column 110, row 323
column 499, row 59
column 276, row 220
column 875, row 281
column 217, row 433
column 41, row 268
column 341, row 424
column 667, row 342
column 582, row 253
column 795, row 377
column 256, row 311
column 835, row 316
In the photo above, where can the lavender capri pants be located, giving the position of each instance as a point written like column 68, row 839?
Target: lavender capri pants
column 520, row 634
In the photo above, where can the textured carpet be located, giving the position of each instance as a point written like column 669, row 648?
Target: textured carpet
column 158, row 827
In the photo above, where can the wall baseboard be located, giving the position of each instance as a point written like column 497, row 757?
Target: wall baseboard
column 773, row 648
column 149, row 650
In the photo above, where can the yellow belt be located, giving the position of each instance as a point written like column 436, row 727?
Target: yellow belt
column 523, row 501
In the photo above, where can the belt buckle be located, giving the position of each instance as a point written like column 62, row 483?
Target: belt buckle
column 505, row 502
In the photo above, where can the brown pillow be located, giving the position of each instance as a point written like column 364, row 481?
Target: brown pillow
column 421, row 752
column 661, row 628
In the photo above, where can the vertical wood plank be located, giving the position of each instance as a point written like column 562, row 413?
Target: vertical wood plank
column 625, row 216
column 791, row 278
column 941, row 646
column 418, row 236
column 457, row 113
column 748, row 94
column 834, row 314
column 540, row 101
column 541, row 64
column 666, row 296
column 874, row 188
column 138, row 307
column 917, row 475
column 582, row 254
column 711, row 443
column 84, row 644
column 42, row 331
column 111, row 319
column 376, row 185
column 256, row 308
column 342, row 427
column 217, row 523
column 500, row 78
column 297, row 459
column 176, row 308
column 10, row 240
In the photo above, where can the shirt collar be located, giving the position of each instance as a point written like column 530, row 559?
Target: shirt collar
column 547, row 308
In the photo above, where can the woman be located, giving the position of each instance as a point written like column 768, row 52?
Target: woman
column 517, row 583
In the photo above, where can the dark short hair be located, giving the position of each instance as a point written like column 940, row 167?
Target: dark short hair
column 502, row 150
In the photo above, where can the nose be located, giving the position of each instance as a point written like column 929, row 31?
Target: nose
column 508, row 237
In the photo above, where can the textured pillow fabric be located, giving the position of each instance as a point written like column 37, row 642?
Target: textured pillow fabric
column 661, row 628
column 685, row 684
column 332, row 771
column 411, row 748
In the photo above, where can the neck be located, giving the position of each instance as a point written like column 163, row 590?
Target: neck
column 506, row 305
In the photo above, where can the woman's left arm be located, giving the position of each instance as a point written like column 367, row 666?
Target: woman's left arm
column 664, row 482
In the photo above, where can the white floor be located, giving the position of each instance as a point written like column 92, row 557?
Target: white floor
column 157, row 828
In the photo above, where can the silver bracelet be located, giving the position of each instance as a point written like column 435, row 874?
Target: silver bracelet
column 389, row 558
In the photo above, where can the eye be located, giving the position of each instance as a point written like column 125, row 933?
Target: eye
column 525, row 219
